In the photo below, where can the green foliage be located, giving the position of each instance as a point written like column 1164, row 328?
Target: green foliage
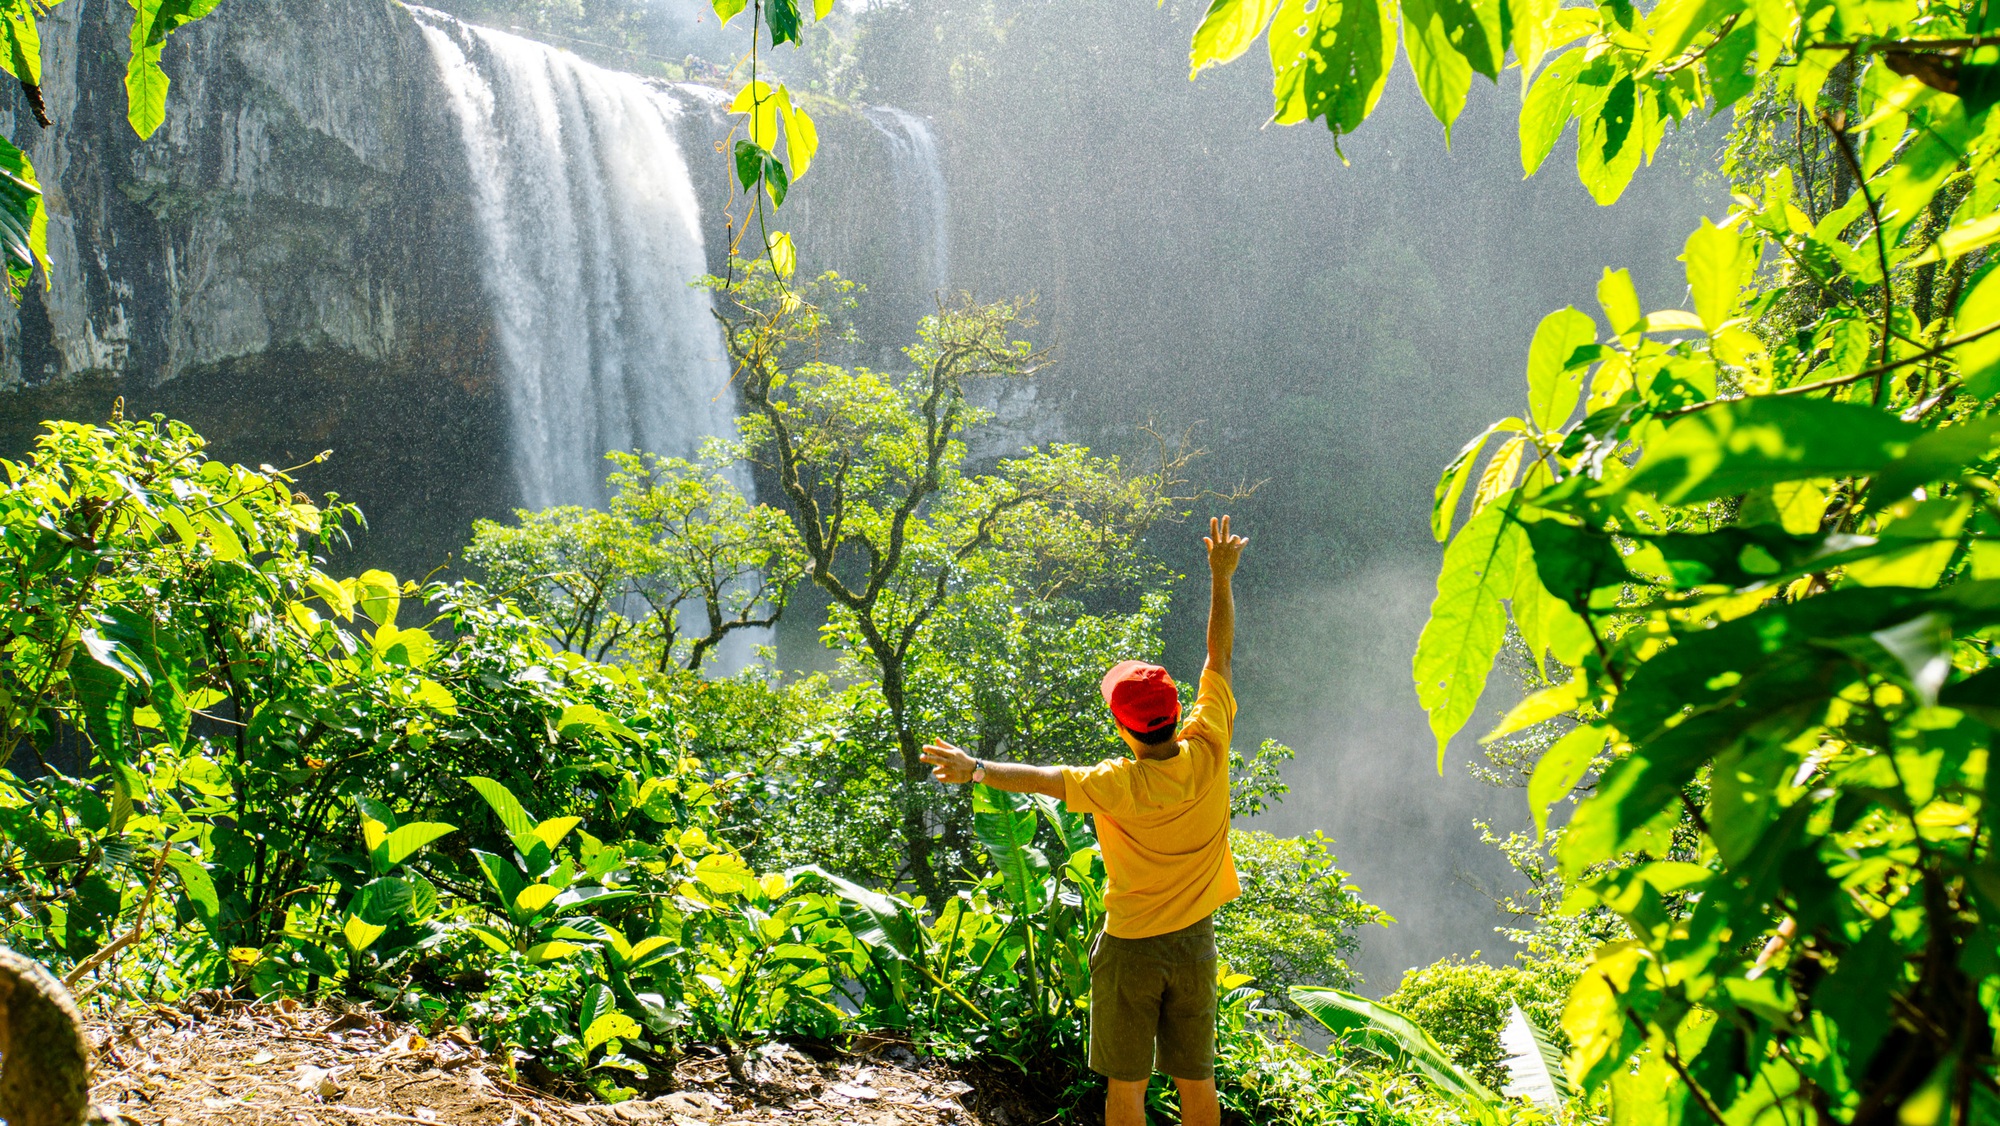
column 1394, row 1034
column 681, row 560
column 1463, row 1004
column 1760, row 552
column 918, row 555
column 1295, row 922
column 23, row 218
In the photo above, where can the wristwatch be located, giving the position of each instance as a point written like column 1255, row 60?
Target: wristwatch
column 978, row 771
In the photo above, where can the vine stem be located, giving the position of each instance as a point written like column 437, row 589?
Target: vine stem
column 1846, row 147
column 110, row 951
column 1844, row 380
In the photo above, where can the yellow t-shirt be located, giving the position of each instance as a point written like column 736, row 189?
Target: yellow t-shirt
column 1164, row 823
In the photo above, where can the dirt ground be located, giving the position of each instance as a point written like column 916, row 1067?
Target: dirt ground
column 243, row 1064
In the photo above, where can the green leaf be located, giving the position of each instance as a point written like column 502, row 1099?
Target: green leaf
column 782, row 16
column 1555, row 384
column 1467, row 622
column 552, row 831
column 1444, row 76
column 611, row 1026
column 379, row 595
column 1743, row 444
column 597, row 1001
column 1979, row 361
column 197, row 886
column 338, row 599
column 1550, row 103
column 1620, row 301
column 550, row 951
column 403, row 843
column 1613, row 123
column 1330, row 61
column 23, row 55
column 726, row 873
column 145, row 83
column 1227, row 30
column 1558, row 771
column 360, row 933
column 876, row 919
column 1716, row 269
column 1451, row 485
column 24, row 221
column 501, row 875
column 726, row 10
column 1389, row 1030
column 506, row 806
column 1005, row 824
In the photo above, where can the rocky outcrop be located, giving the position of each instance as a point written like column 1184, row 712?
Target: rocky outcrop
column 286, row 263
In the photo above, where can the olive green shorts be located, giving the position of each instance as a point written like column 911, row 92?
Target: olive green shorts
column 1155, row 992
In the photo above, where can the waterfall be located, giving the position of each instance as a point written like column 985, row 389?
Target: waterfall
column 918, row 178
column 591, row 236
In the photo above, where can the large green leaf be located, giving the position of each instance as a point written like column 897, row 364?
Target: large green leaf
column 1555, row 383
column 874, row 918
column 1444, row 75
column 1468, row 621
column 513, row 817
column 1005, row 823
column 24, row 221
column 1331, row 61
column 145, row 83
column 1227, row 30
column 1741, row 444
column 1547, row 110
column 1717, row 266
column 404, row 842
column 1390, row 1031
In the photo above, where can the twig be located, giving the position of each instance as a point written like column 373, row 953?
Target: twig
column 1881, row 247
column 109, row 952
column 1844, row 380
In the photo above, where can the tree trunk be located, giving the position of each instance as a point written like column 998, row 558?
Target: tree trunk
column 46, row 1076
column 917, row 844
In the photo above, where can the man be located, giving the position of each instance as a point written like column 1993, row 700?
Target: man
column 1163, row 822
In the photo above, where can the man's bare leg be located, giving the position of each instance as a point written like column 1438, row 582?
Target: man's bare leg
column 1125, row 1103
column 1198, row 1103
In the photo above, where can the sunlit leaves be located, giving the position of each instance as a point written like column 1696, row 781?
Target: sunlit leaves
column 1559, row 770
column 1555, row 384
column 1547, row 110
column 145, row 83
column 1227, row 30
column 23, row 219
column 1330, row 60
column 1978, row 322
column 1717, row 267
column 1444, row 76
column 1467, row 623
column 1747, row 443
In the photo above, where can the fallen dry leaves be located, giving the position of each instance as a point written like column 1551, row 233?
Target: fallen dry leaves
column 233, row 1063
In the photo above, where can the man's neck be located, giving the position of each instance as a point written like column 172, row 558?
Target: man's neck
column 1169, row 749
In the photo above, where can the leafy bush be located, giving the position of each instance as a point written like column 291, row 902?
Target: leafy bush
column 1464, row 1003
column 1295, row 922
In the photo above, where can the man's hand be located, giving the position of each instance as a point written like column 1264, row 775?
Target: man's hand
column 953, row 766
column 1224, row 550
column 948, row 763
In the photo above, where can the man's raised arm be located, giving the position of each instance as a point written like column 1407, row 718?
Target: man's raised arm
column 1224, row 551
column 949, row 764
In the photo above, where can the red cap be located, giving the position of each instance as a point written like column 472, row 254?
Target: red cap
column 1141, row 696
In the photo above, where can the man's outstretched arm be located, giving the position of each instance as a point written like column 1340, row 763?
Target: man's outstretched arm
column 1224, row 551
column 949, row 764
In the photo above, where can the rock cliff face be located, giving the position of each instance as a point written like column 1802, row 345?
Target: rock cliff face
column 286, row 263
column 293, row 263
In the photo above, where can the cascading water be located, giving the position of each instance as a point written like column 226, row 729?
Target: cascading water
column 592, row 235
column 918, row 178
